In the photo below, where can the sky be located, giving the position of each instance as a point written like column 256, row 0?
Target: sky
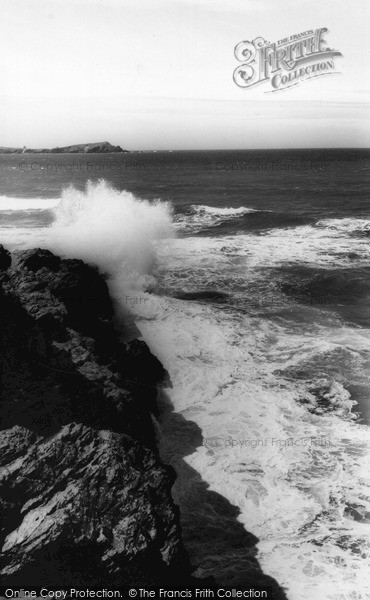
column 158, row 74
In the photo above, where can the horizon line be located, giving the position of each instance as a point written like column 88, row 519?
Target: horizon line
column 243, row 149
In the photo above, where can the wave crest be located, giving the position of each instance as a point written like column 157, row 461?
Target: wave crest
column 7, row 203
column 110, row 228
column 346, row 226
column 222, row 211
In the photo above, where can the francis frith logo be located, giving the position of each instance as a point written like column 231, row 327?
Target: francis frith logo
column 286, row 62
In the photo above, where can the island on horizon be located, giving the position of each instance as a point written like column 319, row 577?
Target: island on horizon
column 74, row 149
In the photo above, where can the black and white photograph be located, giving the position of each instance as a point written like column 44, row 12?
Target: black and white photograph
column 184, row 299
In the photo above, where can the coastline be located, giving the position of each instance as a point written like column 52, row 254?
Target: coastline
column 84, row 494
column 81, row 399
column 89, row 148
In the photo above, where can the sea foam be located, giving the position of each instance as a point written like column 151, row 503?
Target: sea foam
column 110, row 228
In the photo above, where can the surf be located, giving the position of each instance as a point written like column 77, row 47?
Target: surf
column 242, row 378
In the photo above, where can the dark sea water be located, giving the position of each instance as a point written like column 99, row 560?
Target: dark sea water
column 248, row 273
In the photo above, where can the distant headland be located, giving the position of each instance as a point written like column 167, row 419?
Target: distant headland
column 74, row 149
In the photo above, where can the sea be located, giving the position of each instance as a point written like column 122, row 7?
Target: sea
column 248, row 273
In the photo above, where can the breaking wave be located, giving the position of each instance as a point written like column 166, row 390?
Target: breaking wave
column 113, row 229
column 7, row 203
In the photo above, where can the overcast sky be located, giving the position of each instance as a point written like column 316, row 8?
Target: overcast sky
column 157, row 74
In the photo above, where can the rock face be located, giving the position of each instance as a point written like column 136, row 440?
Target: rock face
column 84, row 497
column 5, row 259
column 74, row 149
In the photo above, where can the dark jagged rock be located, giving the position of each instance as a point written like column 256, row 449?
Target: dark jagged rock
column 5, row 259
column 37, row 259
column 84, row 497
column 85, row 505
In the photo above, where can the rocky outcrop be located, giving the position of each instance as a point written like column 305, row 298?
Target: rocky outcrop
column 84, row 497
column 88, row 148
column 5, row 259
column 101, row 147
